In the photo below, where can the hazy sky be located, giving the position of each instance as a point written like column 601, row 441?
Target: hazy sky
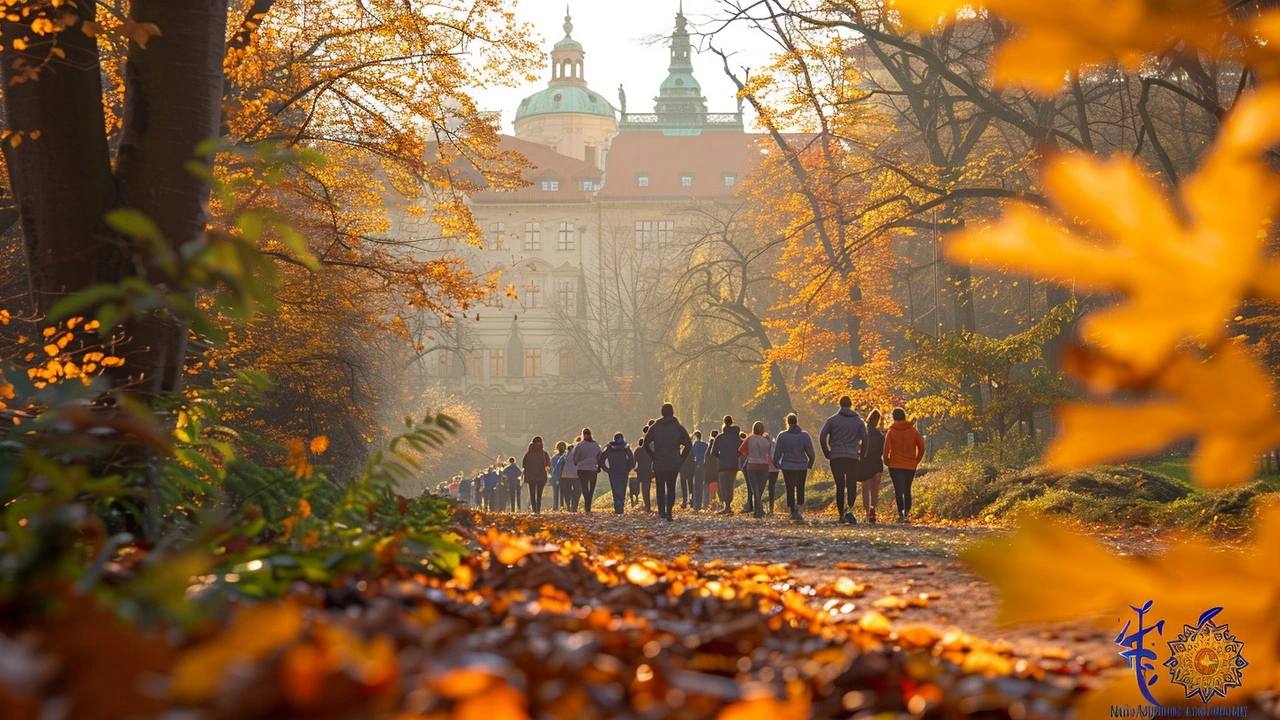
column 617, row 36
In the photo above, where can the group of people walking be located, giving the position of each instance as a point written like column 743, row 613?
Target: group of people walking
column 706, row 472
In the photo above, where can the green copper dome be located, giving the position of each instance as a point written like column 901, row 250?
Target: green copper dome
column 565, row 99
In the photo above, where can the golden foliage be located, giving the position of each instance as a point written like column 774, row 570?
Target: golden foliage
column 1054, row 39
column 1034, row 566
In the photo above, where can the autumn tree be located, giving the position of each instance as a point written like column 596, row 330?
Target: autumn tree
column 370, row 85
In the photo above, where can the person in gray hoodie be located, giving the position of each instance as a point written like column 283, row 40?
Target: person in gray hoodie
column 584, row 459
column 844, row 442
column 669, row 444
column 793, row 454
column 725, row 451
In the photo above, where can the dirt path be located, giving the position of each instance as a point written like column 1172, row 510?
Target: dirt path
column 902, row 561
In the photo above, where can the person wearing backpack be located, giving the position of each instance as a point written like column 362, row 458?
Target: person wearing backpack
column 617, row 460
column 903, row 451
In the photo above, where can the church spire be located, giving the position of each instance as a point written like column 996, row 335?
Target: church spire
column 680, row 99
column 567, row 57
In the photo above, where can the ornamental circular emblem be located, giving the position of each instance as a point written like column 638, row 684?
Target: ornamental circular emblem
column 1205, row 659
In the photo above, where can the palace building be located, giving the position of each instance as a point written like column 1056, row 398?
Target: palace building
column 615, row 198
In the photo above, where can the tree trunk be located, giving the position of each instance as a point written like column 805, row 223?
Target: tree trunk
column 61, row 181
column 173, row 101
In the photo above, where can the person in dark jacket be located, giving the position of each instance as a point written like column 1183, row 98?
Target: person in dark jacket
column 725, row 451
column 844, row 442
column 644, row 471
column 571, row 489
column 536, row 464
column 793, row 454
column 669, row 443
column 617, row 460
column 872, row 466
column 511, row 479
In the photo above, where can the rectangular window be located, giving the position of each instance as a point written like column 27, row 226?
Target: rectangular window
column 533, row 362
column 566, row 236
column 567, row 365
column 532, row 295
column 550, row 186
column 642, row 180
column 497, row 363
column 666, row 232
column 588, row 185
column 644, row 234
column 446, row 364
column 567, row 294
column 477, row 363
column 497, row 235
column 498, row 417
column 730, row 179
column 686, row 180
column 533, row 236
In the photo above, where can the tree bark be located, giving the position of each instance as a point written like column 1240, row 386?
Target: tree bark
column 61, row 181
column 173, row 101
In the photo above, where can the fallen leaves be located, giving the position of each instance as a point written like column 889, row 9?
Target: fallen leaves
column 251, row 635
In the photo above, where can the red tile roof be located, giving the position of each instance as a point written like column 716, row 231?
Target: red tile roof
column 665, row 158
column 547, row 165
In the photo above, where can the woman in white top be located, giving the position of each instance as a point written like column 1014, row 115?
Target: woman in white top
column 584, row 459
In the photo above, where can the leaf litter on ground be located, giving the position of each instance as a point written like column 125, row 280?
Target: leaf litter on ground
column 552, row 621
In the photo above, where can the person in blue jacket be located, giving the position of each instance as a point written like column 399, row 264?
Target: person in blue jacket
column 617, row 460
column 793, row 454
column 557, row 467
column 700, row 485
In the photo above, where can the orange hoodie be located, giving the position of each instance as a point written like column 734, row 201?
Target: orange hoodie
column 903, row 445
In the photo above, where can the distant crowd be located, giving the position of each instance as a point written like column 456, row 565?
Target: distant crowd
column 705, row 473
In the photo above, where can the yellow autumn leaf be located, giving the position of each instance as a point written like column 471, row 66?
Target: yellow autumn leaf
column 140, row 33
column 1046, row 573
column 52, row 350
column 319, row 444
column 1053, row 38
column 1226, row 403
column 1144, row 250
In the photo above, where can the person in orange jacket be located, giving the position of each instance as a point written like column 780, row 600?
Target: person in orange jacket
column 903, row 451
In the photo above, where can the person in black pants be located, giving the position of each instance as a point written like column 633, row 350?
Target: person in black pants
column 584, row 457
column 669, row 444
column 618, row 461
column 844, row 442
column 793, row 453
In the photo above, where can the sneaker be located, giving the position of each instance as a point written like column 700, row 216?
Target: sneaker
column 843, row 519
column 850, row 519
column 902, row 517
column 871, row 517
